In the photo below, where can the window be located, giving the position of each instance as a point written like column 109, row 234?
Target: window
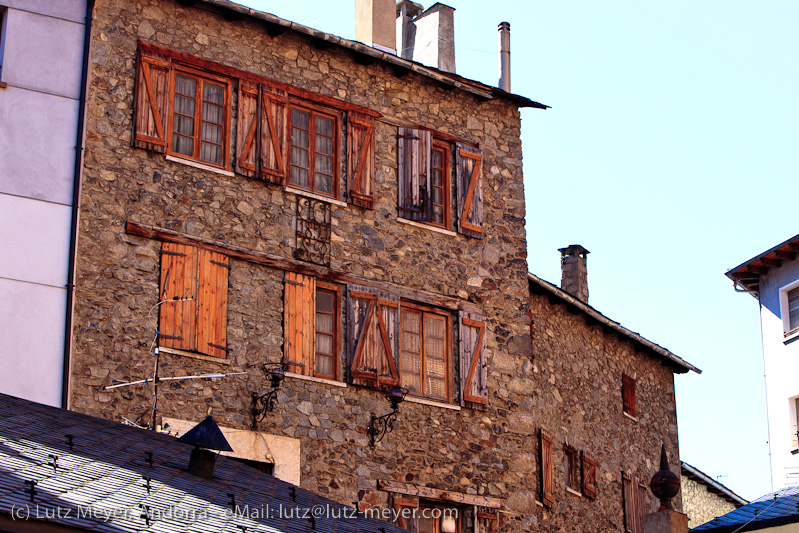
column 635, row 503
column 3, row 23
column 628, row 395
column 789, row 307
column 424, row 352
column 193, row 300
column 311, row 326
column 793, row 410
column 313, row 148
column 545, row 456
column 572, row 468
column 439, row 184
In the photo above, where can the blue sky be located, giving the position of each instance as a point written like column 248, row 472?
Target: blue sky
column 667, row 153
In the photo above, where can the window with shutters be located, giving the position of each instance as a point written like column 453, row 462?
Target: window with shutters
column 312, row 321
column 789, row 307
column 572, row 468
column 313, row 150
column 193, row 300
column 589, row 476
column 628, row 395
column 546, row 488
column 635, row 503
column 425, row 349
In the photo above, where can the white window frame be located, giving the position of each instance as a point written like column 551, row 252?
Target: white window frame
column 784, row 311
column 793, row 407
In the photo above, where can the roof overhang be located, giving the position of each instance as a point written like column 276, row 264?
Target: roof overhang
column 539, row 285
column 712, row 485
column 746, row 276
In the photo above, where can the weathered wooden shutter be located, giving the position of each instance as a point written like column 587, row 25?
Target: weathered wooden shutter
column 273, row 135
column 177, row 317
column 589, row 476
column 212, row 304
column 635, row 506
column 473, row 364
column 628, row 395
column 373, row 336
column 413, row 173
column 152, row 102
column 405, row 509
column 247, row 132
column 469, row 165
column 487, row 522
column 361, row 159
column 299, row 323
column 545, row 447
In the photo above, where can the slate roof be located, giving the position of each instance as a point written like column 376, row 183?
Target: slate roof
column 774, row 509
column 107, row 471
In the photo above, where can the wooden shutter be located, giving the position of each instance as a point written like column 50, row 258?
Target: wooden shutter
column 273, row 135
column 413, row 173
column 635, row 505
column 589, row 476
column 361, row 159
column 212, row 304
column 299, row 322
column 177, row 317
column 628, row 395
column 247, row 131
column 545, row 447
column 487, row 522
column 405, row 509
column 373, row 320
column 151, row 102
column 473, row 364
column 469, row 170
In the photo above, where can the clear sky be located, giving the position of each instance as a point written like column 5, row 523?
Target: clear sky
column 671, row 141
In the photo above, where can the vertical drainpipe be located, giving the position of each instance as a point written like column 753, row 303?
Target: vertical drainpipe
column 80, row 146
column 504, row 56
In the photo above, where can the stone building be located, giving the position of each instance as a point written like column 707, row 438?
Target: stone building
column 264, row 200
column 704, row 498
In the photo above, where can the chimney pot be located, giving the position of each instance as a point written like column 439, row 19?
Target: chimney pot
column 375, row 24
column 504, row 56
column 574, row 271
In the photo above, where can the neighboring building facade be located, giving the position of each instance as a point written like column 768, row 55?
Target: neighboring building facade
column 41, row 65
column 777, row 512
column 256, row 192
column 773, row 278
column 704, row 498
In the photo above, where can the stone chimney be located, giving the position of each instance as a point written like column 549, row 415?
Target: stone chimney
column 426, row 36
column 574, row 271
column 504, row 56
column 374, row 24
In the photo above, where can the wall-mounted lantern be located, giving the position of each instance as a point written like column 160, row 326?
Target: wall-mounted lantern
column 380, row 425
column 264, row 403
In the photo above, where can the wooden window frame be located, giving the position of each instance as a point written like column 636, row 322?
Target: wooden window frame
column 426, row 310
column 628, row 396
column 313, row 111
column 202, row 77
column 425, row 504
column 446, row 150
column 571, row 468
column 336, row 291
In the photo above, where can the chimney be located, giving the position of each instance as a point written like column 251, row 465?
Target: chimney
column 374, row 24
column 574, row 271
column 428, row 36
column 504, row 56
column 205, row 437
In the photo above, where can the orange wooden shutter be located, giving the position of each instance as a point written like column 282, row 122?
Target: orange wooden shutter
column 413, row 173
column 628, row 394
column 405, row 509
column 273, row 135
column 361, row 159
column 473, row 364
column 589, row 476
column 299, row 323
column 152, row 102
column 545, row 441
column 247, row 132
column 373, row 321
column 487, row 522
column 635, row 505
column 212, row 304
column 177, row 316
column 469, row 171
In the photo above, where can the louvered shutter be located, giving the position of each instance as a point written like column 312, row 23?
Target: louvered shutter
column 373, row 336
column 469, row 171
column 545, row 447
column 361, row 159
column 212, row 304
column 487, row 522
column 177, row 316
column 628, row 395
column 589, row 476
column 473, row 364
column 405, row 509
column 247, row 132
column 151, row 102
column 299, row 322
column 273, row 135
column 413, row 171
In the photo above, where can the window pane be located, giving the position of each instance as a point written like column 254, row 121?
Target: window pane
column 435, row 351
column 299, row 118
column 325, row 126
column 324, row 323
column 323, row 183
column 213, row 93
column 324, row 145
column 298, row 176
column 324, row 365
column 183, row 125
column 211, row 133
column 324, row 301
column 324, row 343
column 186, row 86
column 438, row 214
column 299, row 157
column 182, row 145
column 213, row 113
column 184, row 105
column 211, row 153
column 323, row 164
column 299, row 138
column 410, row 357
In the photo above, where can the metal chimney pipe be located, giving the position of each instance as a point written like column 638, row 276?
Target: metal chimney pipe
column 504, row 56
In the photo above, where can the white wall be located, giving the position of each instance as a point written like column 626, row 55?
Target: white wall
column 41, row 68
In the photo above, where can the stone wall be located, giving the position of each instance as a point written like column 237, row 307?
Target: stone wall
column 700, row 504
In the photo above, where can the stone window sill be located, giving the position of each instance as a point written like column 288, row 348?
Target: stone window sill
column 631, row 417
column 193, row 355
column 316, row 380
column 426, row 226
column 195, row 164
column 432, row 403
column 300, row 192
column 572, row 491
